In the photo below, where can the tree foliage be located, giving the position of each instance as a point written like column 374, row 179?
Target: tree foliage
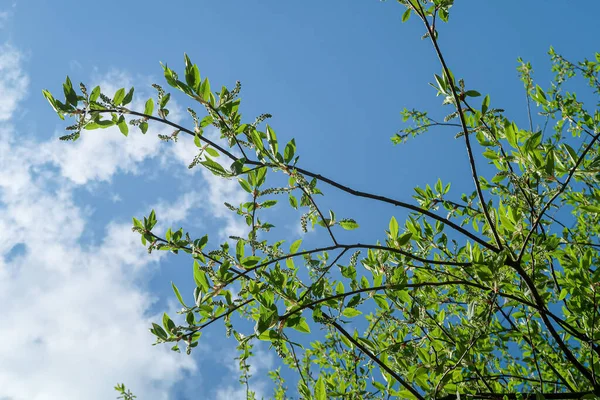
column 491, row 294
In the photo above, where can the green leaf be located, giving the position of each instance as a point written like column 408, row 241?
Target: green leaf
column 289, row 151
column 550, row 163
column 293, row 201
column 511, row 136
column 534, row 141
column 348, row 224
column 165, row 99
column 351, row 312
column 393, row 227
column 95, row 94
column 178, row 295
column 159, row 331
column 214, row 167
column 169, row 76
column 441, row 83
column 381, row 302
column 212, row 152
column 200, row 243
column 189, row 318
column 563, row 293
column 119, row 96
column 540, row 95
column 52, row 102
column 272, row 139
column 268, row 203
column 250, row 261
column 168, row 323
column 405, row 238
column 268, row 336
column 149, row 108
column 239, row 250
column 200, row 278
column 102, row 124
column 302, row 326
column 486, row 104
column 144, row 127
column 205, row 90
column 472, row 93
column 572, row 153
column 70, row 95
column 320, row 389
column 192, row 74
column 245, row 185
column 122, row 124
column 590, row 208
column 206, row 121
column 128, row 97
column 295, row 246
column 406, row 14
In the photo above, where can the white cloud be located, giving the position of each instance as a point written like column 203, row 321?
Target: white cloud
column 13, row 81
column 74, row 322
column 74, row 318
column 238, row 392
column 260, row 363
column 3, row 18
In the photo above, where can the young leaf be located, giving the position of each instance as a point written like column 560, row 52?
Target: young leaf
column 239, row 250
column 70, row 95
column 165, row 99
column 95, row 94
column 351, row 312
column 212, row 152
column 393, row 227
column 320, row 389
column 402, row 240
column 122, row 124
column 289, row 151
column 205, row 90
column 119, row 96
column 168, row 323
column 295, row 246
column 472, row 93
column 149, row 108
column 52, row 102
column 200, row 278
column 406, row 14
column 293, row 201
column 178, row 295
column 214, row 167
column 485, row 104
column 272, row 139
column 128, row 97
column 159, row 331
column 348, row 224
column 245, row 185
column 302, row 326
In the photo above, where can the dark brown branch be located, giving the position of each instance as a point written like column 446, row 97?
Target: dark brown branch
column 348, row 247
column 516, row 396
column 374, row 289
column 322, row 178
column 463, row 123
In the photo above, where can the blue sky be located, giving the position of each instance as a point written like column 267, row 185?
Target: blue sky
column 77, row 288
